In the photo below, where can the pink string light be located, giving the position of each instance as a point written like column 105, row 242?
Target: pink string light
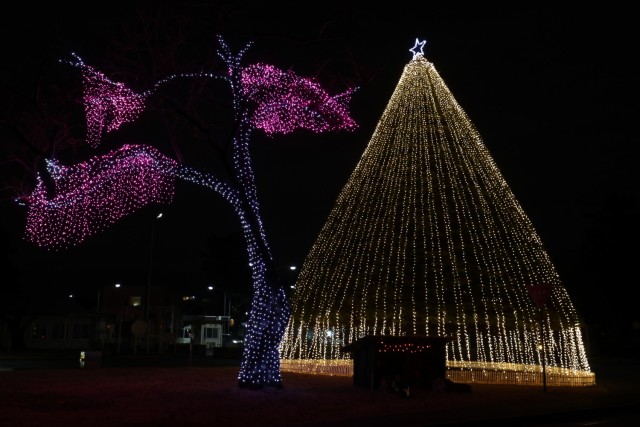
column 93, row 195
column 90, row 196
column 286, row 102
column 107, row 104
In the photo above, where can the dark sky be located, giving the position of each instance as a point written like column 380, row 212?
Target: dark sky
column 553, row 92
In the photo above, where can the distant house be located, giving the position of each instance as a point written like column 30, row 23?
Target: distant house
column 74, row 330
column 122, row 323
column 207, row 331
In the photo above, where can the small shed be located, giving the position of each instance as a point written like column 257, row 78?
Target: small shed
column 415, row 360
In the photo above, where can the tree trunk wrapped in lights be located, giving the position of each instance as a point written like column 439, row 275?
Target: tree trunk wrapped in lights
column 427, row 238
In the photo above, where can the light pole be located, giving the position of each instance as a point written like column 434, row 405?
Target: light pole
column 120, row 320
column 210, row 305
column 291, row 277
column 117, row 285
column 539, row 294
column 293, row 268
column 542, row 348
column 147, row 305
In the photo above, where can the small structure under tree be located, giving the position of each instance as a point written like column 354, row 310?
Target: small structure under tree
column 418, row 361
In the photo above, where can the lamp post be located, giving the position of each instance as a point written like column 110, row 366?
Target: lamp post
column 290, row 277
column 539, row 294
column 544, row 365
column 120, row 320
column 210, row 306
column 100, row 322
column 147, row 305
column 116, row 285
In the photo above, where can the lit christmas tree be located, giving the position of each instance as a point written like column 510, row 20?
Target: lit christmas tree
column 71, row 203
column 427, row 239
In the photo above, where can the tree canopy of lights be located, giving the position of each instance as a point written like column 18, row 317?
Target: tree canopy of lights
column 426, row 238
column 72, row 203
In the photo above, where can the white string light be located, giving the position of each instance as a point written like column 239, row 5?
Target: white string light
column 418, row 48
column 426, row 238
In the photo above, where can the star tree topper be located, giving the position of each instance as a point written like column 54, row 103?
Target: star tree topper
column 417, row 48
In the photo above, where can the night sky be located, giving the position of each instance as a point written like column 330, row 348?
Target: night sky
column 552, row 92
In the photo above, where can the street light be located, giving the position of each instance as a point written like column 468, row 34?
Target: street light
column 147, row 305
column 291, row 276
column 117, row 285
column 210, row 305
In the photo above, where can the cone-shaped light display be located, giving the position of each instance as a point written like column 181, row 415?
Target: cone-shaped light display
column 427, row 238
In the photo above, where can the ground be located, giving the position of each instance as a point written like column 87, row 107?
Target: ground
column 209, row 396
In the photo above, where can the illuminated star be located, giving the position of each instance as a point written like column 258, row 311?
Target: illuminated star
column 417, row 48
